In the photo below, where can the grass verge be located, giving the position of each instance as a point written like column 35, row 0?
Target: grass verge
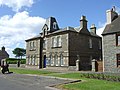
column 85, row 84
column 29, row 71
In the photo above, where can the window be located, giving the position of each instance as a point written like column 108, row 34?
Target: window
column 56, row 60
column 54, row 42
column 100, row 47
column 30, row 45
column 44, row 44
column 33, row 60
column 90, row 43
column 59, row 41
column 118, row 39
column 118, row 60
column 51, row 59
column 28, row 59
column 61, row 60
column 33, row 44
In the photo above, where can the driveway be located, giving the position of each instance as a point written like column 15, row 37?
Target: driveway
column 28, row 82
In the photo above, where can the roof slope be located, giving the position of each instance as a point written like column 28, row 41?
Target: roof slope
column 114, row 27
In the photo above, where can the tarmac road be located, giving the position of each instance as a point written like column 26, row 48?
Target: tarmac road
column 28, row 82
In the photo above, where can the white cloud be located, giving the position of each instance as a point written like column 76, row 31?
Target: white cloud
column 14, row 30
column 101, row 28
column 117, row 9
column 16, row 5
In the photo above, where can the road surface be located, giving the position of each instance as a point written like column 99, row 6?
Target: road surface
column 28, row 82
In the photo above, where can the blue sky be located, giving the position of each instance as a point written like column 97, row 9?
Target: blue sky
column 22, row 19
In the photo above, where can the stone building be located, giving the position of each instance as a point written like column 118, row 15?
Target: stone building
column 56, row 47
column 3, row 54
column 111, row 42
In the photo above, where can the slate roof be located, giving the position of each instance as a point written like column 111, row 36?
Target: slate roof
column 72, row 29
column 38, row 36
column 114, row 27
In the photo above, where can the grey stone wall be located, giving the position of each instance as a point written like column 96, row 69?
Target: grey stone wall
column 33, row 52
column 58, row 50
column 79, row 45
column 109, row 53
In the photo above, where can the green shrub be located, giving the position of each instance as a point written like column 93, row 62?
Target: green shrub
column 14, row 61
column 101, row 76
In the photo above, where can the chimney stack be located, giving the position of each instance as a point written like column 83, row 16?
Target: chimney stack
column 93, row 29
column 83, row 23
column 3, row 48
column 111, row 15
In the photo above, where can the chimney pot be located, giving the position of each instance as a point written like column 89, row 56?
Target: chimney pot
column 83, row 22
column 93, row 29
column 111, row 15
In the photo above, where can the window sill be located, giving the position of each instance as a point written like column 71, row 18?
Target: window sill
column 32, row 49
column 56, row 47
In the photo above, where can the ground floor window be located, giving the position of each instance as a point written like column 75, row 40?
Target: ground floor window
column 61, row 60
column 118, row 60
column 51, row 59
column 56, row 60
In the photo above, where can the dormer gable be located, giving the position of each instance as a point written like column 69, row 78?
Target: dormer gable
column 50, row 25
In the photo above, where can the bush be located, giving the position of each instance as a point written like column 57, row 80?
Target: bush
column 101, row 76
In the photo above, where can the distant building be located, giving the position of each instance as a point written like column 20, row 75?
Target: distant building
column 111, row 42
column 56, row 47
column 3, row 54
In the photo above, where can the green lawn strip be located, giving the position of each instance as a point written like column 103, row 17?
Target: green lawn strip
column 93, row 84
column 87, row 84
column 29, row 71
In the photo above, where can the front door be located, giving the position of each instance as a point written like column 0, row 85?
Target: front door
column 44, row 62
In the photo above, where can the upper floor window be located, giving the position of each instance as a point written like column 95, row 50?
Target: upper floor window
column 118, row 60
column 90, row 43
column 117, row 39
column 59, row 41
column 32, row 45
column 56, row 41
column 44, row 44
column 100, row 47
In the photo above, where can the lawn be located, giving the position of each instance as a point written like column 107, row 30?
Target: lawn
column 85, row 84
column 29, row 71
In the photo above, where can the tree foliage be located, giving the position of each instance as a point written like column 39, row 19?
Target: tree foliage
column 19, row 52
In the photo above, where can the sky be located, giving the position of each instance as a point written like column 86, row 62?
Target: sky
column 23, row 19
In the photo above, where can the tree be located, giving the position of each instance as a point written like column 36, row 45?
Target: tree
column 19, row 52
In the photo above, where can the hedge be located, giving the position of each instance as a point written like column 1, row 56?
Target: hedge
column 14, row 61
column 102, row 76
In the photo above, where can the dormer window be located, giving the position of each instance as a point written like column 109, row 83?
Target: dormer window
column 54, row 25
column 45, row 30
